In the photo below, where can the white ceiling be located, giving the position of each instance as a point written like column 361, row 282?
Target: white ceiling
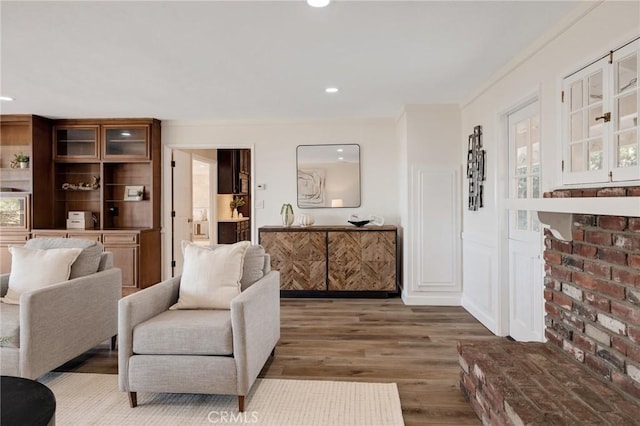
column 256, row 59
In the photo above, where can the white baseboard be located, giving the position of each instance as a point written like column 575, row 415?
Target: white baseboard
column 432, row 299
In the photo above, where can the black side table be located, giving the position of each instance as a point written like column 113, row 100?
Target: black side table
column 26, row 402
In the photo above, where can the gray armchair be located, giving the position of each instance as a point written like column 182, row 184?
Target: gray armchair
column 198, row 351
column 55, row 324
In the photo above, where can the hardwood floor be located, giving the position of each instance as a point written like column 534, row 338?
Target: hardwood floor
column 369, row 340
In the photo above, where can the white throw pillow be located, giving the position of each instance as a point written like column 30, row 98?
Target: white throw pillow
column 33, row 269
column 211, row 278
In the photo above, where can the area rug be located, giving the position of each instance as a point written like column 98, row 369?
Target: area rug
column 94, row 399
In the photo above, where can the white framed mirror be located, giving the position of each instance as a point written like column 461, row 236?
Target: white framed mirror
column 328, row 176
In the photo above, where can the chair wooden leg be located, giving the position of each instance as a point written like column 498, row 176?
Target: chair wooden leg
column 133, row 399
column 114, row 340
column 241, row 403
column 273, row 352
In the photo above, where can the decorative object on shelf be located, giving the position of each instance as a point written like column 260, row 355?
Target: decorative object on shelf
column 236, row 201
column 376, row 220
column 20, row 161
column 286, row 211
column 82, row 186
column 306, row 220
column 356, row 220
column 476, row 167
column 134, row 193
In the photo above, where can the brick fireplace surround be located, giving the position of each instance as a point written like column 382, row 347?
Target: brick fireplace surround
column 592, row 323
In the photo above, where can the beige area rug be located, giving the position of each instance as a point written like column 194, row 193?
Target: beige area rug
column 94, row 399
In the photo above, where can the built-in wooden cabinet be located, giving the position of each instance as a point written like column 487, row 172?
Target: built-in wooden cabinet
column 135, row 252
column 333, row 260
column 234, row 230
column 234, row 177
column 122, row 141
column 97, row 164
column 74, row 142
column 87, row 165
column 234, row 168
column 25, row 192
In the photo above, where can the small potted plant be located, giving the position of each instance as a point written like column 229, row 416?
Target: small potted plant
column 22, row 160
column 236, row 202
column 286, row 211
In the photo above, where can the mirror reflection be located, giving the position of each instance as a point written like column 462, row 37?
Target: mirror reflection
column 328, row 176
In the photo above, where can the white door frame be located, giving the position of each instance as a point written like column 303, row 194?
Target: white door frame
column 165, row 214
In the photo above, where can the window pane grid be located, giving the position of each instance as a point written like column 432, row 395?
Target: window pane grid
column 625, row 112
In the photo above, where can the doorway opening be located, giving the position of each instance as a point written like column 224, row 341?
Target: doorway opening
column 196, row 205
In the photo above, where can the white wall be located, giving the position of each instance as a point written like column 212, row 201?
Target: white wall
column 274, row 161
column 574, row 43
column 429, row 182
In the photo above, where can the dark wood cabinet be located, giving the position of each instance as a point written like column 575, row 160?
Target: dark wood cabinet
column 333, row 260
column 29, row 135
column 234, row 167
column 234, row 231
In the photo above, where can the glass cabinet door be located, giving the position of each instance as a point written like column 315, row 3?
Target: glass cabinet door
column 14, row 212
column 585, row 133
column 625, row 113
column 601, row 133
column 76, row 142
column 126, row 142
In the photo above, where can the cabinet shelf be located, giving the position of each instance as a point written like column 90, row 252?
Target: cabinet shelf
column 127, row 141
column 76, row 140
column 126, row 201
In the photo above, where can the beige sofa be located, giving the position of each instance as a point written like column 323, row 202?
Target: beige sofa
column 55, row 324
column 214, row 351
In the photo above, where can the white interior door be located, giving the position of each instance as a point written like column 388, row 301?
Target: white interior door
column 182, row 205
column 525, row 239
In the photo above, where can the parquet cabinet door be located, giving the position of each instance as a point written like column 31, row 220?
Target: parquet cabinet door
column 300, row 257
column 362, row 261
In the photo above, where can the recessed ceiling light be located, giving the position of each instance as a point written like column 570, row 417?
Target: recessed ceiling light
column 331, row 90
column 318, row 3
column 7, row 98
column 125, row 133
column 340, row 158
column 340, row 150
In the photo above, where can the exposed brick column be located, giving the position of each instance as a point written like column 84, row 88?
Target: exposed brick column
column 593, row 296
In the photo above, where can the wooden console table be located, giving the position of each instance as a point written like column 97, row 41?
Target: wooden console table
column 325, row 261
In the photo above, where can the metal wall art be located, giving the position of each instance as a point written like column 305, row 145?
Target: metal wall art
column 476, row 166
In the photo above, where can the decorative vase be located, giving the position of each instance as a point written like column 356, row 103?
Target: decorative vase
column 234, row 213
column 306, row 220
column 23, row 164
column 287, row 218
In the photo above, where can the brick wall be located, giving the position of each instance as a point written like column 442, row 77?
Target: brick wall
column 592, row 293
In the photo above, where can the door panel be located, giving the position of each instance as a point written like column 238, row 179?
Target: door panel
column 524, row 238
column 182, row 205
column 525, row 291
